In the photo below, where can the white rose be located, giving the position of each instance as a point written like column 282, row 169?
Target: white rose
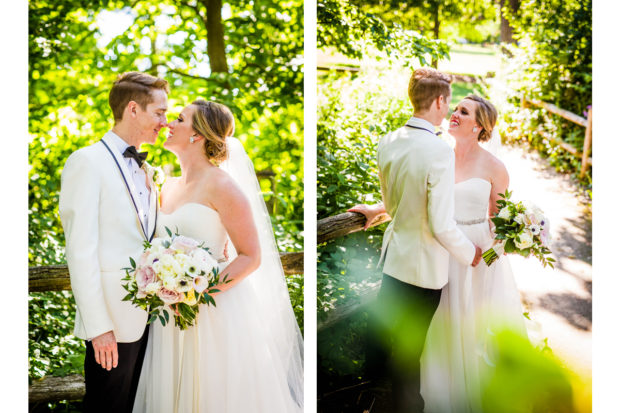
column 184, row 244
column 520, row 219
column 152, row 288
column 169, row 283
column 504, row 213
column 203, row 260
column 183, row 260
column 524, row 240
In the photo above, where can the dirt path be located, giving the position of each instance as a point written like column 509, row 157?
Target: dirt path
column 559, row 300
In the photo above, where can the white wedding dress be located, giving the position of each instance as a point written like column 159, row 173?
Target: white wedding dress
column 222, row 364
column 245, row 354
column 475, row 304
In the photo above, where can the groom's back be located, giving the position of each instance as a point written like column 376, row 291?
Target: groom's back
column 407, row 158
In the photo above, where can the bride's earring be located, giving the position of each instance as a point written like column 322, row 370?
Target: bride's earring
column 191, row 139
column 474, row 130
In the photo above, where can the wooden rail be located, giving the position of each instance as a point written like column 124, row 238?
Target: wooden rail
column 343, row 224
column 585, row 122
column 56, row 277
column 54, row 389
column 338, row 68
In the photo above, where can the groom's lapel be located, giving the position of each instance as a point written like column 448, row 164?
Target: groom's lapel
column 129, row 183
column 153, row 209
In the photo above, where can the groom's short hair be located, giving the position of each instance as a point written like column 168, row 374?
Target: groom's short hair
column 425, row 86
column 134, row 86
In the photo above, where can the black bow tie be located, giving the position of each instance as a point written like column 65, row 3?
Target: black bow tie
column 139, row 157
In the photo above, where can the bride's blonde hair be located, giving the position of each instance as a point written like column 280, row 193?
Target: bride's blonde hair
column 214, row 122
column 486, row 116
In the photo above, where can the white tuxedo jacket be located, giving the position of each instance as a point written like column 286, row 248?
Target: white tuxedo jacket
column 102, row 230
column 417, row 185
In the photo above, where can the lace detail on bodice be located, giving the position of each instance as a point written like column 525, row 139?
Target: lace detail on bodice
column 471, row 201
column 196, row 221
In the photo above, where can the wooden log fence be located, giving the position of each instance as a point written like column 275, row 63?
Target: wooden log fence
column 585, row 122
column 56, row 278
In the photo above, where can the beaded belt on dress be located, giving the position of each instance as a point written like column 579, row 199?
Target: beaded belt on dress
column 471, row 221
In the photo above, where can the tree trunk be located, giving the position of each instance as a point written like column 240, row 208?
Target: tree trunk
column 215, row 36
column 506, row 32
column 436, row 30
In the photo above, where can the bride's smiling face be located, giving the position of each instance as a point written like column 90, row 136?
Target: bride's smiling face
column 463, row 119
column 181, row 130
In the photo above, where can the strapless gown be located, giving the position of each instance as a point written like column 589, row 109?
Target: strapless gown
column 224, row 363
column 476, row 303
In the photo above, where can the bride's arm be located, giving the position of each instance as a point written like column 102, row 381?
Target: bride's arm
column 499, row 185
column 235, row 213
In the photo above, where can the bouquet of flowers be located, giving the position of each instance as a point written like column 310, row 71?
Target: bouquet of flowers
column 176, row 273
column 520, row 228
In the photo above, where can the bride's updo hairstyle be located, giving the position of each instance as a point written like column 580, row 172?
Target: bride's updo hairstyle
column 214, row 122
column 486, row 116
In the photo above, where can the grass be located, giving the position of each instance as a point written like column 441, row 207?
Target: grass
column 467, row 59
column 461, row 89
column 472, row 60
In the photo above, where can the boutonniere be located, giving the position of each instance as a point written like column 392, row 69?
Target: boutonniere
column 155, row 174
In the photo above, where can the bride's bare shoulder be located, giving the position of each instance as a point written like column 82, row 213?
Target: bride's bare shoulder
column 494, row 164
column 218, row 181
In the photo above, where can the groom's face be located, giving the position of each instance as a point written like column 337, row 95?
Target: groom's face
column 445, row 108
column 153, row 118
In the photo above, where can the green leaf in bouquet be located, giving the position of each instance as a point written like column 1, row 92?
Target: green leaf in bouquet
column 166, row 244
column 166, row 315
column 524, row 252
column 509, row 246
column 214, row 290
column 162, row 320
column 133, row 263
column 153, row 318
column 146, row 245
column 168, row 231
column 127, row 297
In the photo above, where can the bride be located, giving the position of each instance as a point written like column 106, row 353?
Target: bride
column 245, row 354
column 478, row 301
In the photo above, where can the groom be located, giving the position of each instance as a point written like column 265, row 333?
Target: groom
column 417, row 186
column 108, row 208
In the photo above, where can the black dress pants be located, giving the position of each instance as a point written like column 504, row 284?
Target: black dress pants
column 397, row 329
column 114, row 390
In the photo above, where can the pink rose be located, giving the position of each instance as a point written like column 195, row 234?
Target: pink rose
column 169, row 296
column 144, row 276
column 143, row 258
column 184, row 244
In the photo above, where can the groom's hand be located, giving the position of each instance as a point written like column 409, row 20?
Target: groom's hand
column 106, row 351
column 477, row 257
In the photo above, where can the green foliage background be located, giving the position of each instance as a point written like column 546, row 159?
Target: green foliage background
column 73, row 63
column 552, row 62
